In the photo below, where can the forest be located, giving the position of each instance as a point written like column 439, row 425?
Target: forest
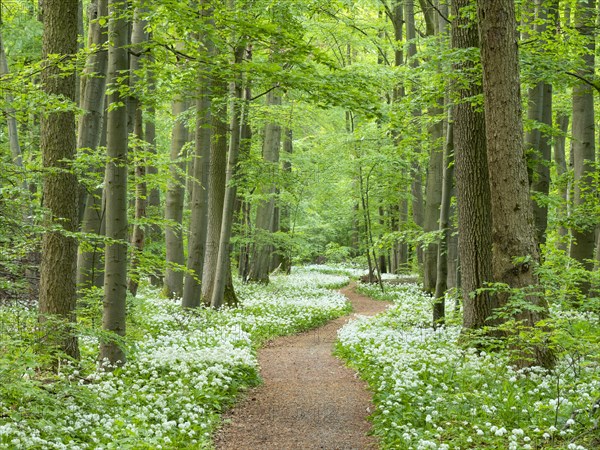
column 184, row 181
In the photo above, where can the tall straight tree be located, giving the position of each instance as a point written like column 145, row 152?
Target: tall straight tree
column 174, row 200
column 261, row 254
column 58, row 291
column 583, row 143
column 537, row 143
column 115, row 257
column 223, row 269
column 136, row 118
column 515, row 253
column 93, row 92
column 199, row 196
column 472, row 185
column 216, row 187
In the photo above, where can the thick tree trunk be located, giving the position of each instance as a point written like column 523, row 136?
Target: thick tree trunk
column 58, row 291
column 199, row 201
column 174, row 201
column 261, row 254
column 223, row 292
column 216, row 188
column 515, row 252
column 472, row 186
column 583, row 147
column 115, row 258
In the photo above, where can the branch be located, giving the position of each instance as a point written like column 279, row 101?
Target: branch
column 264, row 93
column 438, row 11
column 585, row 80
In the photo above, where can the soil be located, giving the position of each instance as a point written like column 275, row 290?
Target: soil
column 309, row 399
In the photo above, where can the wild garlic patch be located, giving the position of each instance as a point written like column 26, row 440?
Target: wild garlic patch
column 432, row 393
column 183, row 368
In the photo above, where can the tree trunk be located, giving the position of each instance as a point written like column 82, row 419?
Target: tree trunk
column 216, row 187
column 115, row 258
column 174, row 201
column 138, row 37
column 472, row 186
column 261, row 254
column 583, row 147
column 58, row 291
column 537, row 143
column 288, row 149
column 439, row 307
column 417, row 183
column 93, row 87
column 222, row 279
column 563, row 180
column 199, row 202
column 515, row 252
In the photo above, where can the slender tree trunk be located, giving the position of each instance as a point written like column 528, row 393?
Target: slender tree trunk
column 288, row 149
column 537, row 143
column 115, row 265
column 472, row 185
column 58, row 291
column 441, row 286
column 93, row 87
column 583, row 146
column 261, row 255
column 515, row 252
column 11, row 120
column 138, row 37
column 562, row 181
column 435, row 169
column 199, row 202
column 417, row 183
column 174, row 202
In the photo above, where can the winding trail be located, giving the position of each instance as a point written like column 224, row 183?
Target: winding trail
column 309, row 399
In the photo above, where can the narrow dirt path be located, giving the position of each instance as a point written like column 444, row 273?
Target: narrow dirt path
column 309, row 399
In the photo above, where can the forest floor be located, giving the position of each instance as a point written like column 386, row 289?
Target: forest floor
column 309, row 399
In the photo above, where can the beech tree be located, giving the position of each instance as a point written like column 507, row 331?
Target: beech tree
column 115, row 269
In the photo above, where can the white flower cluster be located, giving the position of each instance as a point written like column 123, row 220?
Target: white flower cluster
column 182, row 370
column 433, row 393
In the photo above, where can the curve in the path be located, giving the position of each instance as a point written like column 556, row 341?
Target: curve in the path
column 309, row 399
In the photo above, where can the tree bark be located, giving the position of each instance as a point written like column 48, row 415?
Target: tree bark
column 93, row 87
column 138, row 235
column 222, row 278
column 537, row 143
column 58, row 292
column 417, row 183
column 199, row 201
column 583, row 146
column 115, row 258
column 472, row 186
column 515, row 253
column 216, row 187
column 439, row 307
column 261, row 254
column 174, row 202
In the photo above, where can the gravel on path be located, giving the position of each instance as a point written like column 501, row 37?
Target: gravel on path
column 309, row 399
